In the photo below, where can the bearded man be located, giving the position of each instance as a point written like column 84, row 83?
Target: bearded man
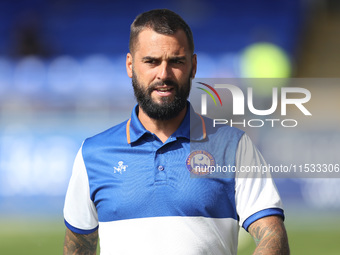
column 151, row 205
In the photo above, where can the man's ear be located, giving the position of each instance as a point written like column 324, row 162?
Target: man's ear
column 194, row 65
column 129, row 64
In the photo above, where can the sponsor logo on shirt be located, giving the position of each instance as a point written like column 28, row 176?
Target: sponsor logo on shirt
column 120, row 168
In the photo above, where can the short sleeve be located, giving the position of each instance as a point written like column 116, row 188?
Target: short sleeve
column 256, row 193
column 80, row 213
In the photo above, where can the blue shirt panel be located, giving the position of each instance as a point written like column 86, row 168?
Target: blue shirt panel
column 156, row 181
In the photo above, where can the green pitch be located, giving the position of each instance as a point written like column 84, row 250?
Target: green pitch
column 315, row 235
column 31, row 237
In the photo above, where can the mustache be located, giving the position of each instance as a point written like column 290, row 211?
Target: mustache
column 154, row 85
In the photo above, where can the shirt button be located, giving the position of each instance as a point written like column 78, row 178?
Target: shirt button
column 160, row 168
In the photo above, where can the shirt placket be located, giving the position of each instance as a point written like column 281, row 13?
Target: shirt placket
column 160, row 167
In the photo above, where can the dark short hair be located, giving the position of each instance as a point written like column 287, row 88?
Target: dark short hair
column 162, row 21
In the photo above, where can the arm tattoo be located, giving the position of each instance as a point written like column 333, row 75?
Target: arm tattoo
column 270, row 236
column 76, row 244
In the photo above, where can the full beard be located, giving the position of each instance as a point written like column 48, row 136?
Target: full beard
column 169, row 107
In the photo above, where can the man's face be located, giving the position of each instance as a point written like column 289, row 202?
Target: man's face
column 161, row 67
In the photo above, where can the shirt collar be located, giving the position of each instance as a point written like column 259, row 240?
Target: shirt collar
column 192, row 126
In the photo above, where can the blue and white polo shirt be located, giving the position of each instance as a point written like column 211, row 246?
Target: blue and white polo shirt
column 140, row 194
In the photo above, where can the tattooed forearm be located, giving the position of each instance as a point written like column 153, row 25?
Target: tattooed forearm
column 270, row 236
column 76, row 244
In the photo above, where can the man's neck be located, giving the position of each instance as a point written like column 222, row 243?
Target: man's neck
column 163, row 129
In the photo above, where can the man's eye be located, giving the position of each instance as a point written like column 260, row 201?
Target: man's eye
column 177, row 61
column 151, row 61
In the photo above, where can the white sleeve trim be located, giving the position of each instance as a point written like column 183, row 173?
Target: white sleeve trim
column 79, row 210
column 254, row 191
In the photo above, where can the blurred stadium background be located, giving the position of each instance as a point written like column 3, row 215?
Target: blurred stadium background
column 63, row 78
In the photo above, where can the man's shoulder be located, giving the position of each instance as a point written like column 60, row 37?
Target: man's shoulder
column 114, row 133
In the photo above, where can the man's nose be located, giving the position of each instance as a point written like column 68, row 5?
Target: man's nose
column 164, row 71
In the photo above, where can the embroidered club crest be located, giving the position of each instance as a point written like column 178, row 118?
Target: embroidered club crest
column 199, row 162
